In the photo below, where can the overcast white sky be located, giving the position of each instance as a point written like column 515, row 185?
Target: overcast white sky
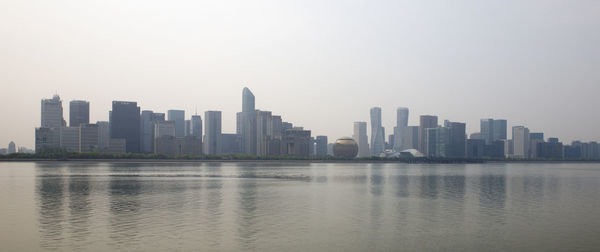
column 320, row 64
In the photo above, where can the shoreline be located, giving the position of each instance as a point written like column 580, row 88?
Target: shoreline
column 417, row 161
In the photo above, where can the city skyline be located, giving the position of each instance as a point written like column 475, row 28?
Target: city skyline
column 533, row 63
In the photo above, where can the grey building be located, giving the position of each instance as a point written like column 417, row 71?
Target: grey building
column 425, row 122
column 377, row 132
column 103, row 135
column 321, row 146
column 410, row 138
column 47, row 139
column 475, row 148
column 52, row 113
column 231, row 144
column 125, row 124
column 534, row 139
column 117, row 146
column 296, row 142
column 12, row 148
column 246, row 123
column 456, row 142
column 435, row 141
column 79, row 113
column 196, row 124
column 360, row 136
column 263, row 131
column 88, row 137
column 69, row 138
column 177, row 116
column 172, row 145
column 520, row 141
column 188, row 128
column 493, row 130
column 401, row 124
column 212, row 137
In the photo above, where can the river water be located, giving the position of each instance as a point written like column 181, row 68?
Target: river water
column 128, row 206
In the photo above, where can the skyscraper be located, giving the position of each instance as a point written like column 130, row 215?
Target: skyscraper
column 188, row 128
column 263, row 130
column 456, row 142
column 212, row 136
column 520, row 141
column 79, row 113
column 125, row 124
column 88, row 137
column 177, row 116
column 411, row 138
column 246, row 123
column 377, row 133
column 146, row 128
column 12, row 148
column 52, row 113
column 426, row 122
column 103, row 135
column 321, row 146
column 196, row 126
column 360, row 136
column 493, row 130
column 401, row 124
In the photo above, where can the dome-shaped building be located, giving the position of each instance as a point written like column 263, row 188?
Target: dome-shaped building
column 345, row 147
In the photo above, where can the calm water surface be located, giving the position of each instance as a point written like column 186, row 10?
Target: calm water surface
column 77, row 206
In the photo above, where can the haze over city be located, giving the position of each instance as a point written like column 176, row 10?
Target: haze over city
column 321, row 65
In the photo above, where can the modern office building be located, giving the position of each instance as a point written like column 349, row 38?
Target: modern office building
column 493, row 130
column 147, row 129
column 125, row 124
column 296, row 142
column 103, row 135
column 212, row 136
column 246, row 123
column 360, row 136
column 550, row 150
column 321, row 148
column 425, row 122
column 165, row 128
column 534, row 139
column 69, row 139
column 117, row 146
column 47, row 139
column 231, row 144
column 410, row 138
column 196, row 124
column 79, row 113
column 520, row 140
column 177, row 116
column 435, row 141
column 456, row 142
column 263, row 130
column 88, row 137
column 188, row 128
column 401, row 124
column 12, row 148
column 377, row 132
column 52, row 113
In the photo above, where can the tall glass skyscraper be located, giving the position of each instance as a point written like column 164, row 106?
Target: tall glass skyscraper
column 125, row 124
column 52, row 113
column 401, row 124
column 212, row 137
column 177, row 116
column 79, row 113
column 377, row 133
column 426, row 122
column 246, row 123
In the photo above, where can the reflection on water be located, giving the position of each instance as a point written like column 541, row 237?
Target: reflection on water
column 303, row 206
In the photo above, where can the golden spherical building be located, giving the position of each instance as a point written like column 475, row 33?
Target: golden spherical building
column 345, row 147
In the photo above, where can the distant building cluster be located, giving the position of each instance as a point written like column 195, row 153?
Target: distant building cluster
column 261, row 133
column 132, row 130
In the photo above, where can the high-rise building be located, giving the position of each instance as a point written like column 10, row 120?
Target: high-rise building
column 165, row 128
column 125, row 124
column 79, row 113
column 377, row 133
column 425, row 122
column 12, row 148
column 177, row 116
column 52, row 113
column 231, row 144
column 456, row 142
column 493, row 130
column 69, row 138
column 520, row 140
column 534, row 140
column 47, row 139
column 321, row 146
column 360, row 136
column 147, row 127
column 401, row 124
column 246, row 123
column 435, row 141
column 212, row 136
column 296, row 142
column 103, row 135
column 410, row 138
column 88, row 137
column 188, row 127
column 196, row 126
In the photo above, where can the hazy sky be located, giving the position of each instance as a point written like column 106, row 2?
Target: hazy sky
column 320, row 64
